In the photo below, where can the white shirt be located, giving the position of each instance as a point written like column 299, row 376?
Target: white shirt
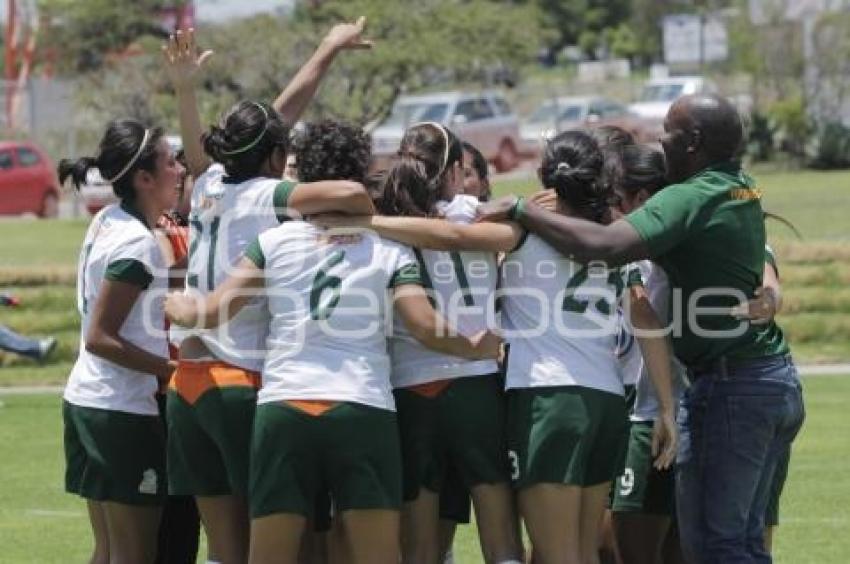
column 462, row 285
column 119, row 246
column 560, row 319
column 330, row 306
column 225, row 218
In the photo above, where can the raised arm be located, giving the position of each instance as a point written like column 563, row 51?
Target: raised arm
column 585, row 241
column 437, row 234
column 432, row 330
column 656, row 355
column 204, row 312
column 183, row 64
column 292, row 102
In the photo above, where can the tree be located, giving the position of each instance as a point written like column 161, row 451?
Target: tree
column 421, row 44
column 86, row 32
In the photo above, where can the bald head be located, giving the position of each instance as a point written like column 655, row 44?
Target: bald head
column 701, row 130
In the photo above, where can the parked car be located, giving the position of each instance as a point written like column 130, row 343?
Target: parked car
column 97, row 193
column 28, row 181
column 482, row 118
column 571, row 112
column 659, row 94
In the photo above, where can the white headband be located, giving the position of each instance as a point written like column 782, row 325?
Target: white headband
column 445, row 133
column 132, row 161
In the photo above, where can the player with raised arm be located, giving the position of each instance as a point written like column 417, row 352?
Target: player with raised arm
column 326, row 418
column 212, row 396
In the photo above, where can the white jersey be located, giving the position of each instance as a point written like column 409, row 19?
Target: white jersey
column 560, row 319
column 224, row 220
column 119, row 246
column 646, row 406
column 330, row 306
column 462, row 286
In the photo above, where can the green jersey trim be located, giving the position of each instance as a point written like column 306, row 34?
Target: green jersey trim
column 407, row 274
column 280, row 199
column 254, row 253
column 129, row 271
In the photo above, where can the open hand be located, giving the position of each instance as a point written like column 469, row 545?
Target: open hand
column 760, row 310
column 546, row 199
column 183, row 62
column 496, row 210
column 665, row 440
column 487, row 345
column 349, row 35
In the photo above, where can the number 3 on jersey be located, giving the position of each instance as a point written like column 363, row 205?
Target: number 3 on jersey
column 322, row 282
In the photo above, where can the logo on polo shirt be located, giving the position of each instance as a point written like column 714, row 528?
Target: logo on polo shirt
column 148, row 483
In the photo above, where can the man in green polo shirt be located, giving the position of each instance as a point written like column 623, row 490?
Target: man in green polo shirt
column 744, row 406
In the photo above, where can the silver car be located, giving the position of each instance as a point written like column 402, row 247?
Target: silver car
column 484, row 119
column 571, row 112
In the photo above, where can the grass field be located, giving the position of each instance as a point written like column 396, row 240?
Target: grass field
column 41, row 524
column 38, row 262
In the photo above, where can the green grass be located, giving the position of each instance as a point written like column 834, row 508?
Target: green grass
column 39, row 523
column 816, row 202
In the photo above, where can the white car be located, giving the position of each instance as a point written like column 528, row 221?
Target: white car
column 659, row 94
column 483, row 119
column 571, row 112
column 97, row 193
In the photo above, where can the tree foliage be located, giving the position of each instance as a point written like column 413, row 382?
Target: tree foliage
column 418, row 44
column 86, row 32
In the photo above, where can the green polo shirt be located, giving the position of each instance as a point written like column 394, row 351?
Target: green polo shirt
column 708, row 235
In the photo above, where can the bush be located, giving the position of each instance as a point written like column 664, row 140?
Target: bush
column 792, row 124
column 830, row 147
column 760, row 138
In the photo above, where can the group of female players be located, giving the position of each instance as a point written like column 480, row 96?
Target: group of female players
column 341, row 386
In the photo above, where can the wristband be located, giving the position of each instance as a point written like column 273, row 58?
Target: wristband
column 517, row 210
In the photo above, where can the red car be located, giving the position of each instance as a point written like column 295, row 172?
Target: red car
column 28, row 181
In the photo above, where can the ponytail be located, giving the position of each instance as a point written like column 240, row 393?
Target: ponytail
column 77, row 170
column 573, row 165
column 407, row 189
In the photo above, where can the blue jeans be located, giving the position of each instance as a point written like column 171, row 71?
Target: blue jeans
column 16, row 343
column 734, row 424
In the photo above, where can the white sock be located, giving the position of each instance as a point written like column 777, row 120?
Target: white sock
column 510, row 562
column 213, row 562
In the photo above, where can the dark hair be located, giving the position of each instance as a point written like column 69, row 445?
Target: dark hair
column 612, row 140
column 479, row 163
column 611, row 136
column 572, row 165
column 332, row 150
column 118, row 147
column 643, row 168
column 415, row 180
column 246, row 138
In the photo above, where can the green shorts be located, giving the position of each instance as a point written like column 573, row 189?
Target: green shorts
column 114, row 456
column 771, row 514
column 565, row 435
column 351, row 450
column 461, row 427
column 642, row 488
column 209, row 442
